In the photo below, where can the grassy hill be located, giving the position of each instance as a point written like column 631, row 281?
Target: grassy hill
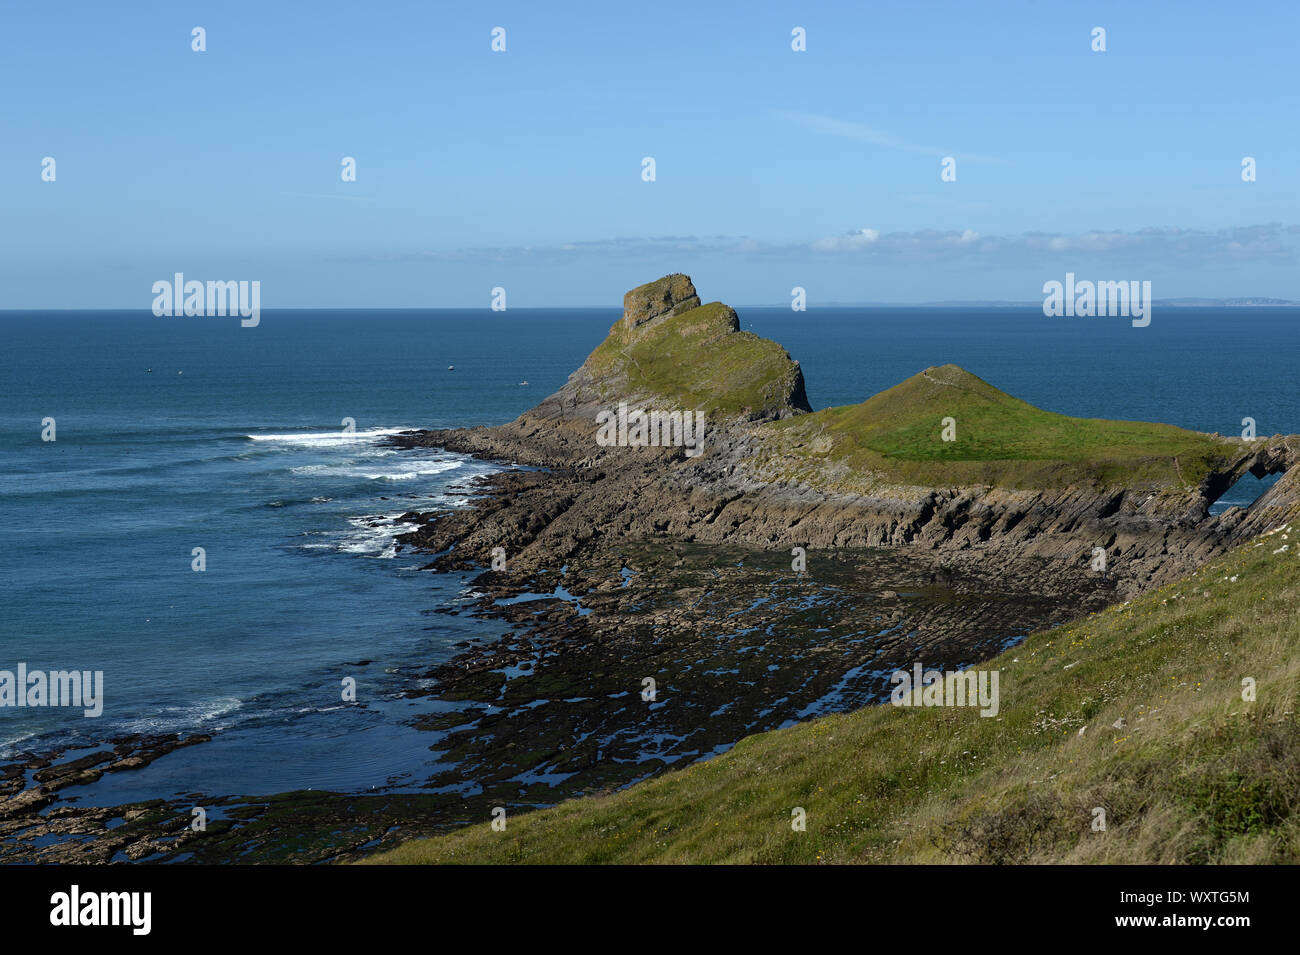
column 896, row 436
column 1193, row 774
column 699, row 360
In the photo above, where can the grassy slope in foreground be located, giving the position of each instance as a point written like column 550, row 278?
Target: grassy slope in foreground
column 1196, row 775
column 698, row 360
column 895, row 436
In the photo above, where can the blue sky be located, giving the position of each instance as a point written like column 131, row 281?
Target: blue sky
column 522, row 169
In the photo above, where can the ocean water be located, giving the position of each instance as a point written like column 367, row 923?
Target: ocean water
column 174, row 434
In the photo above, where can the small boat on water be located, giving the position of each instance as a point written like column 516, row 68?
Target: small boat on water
column 451, row 367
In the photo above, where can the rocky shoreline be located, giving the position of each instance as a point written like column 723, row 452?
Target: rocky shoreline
column 735, row 641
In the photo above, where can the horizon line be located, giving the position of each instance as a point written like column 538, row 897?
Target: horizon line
column 1236, row 301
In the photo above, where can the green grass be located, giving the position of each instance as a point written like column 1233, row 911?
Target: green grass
column 897, row 436
column 700, row 360
column 1196, row 776
column 697, row 360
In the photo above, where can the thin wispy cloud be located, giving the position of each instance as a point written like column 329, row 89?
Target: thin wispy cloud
column 1153, row 245
column 847, row 129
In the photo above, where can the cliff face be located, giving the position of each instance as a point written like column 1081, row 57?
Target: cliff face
column 1013, row 486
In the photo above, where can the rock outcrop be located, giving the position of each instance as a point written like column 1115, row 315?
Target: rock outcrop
column 667, row 353
column 670, row 295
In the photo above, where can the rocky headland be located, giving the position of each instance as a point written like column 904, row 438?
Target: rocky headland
column 796, row 558
column 665, row 601
column 1013, row 485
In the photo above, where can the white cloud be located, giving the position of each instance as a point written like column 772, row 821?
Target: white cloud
column 848, row 242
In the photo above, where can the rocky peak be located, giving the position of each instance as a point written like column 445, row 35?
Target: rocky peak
column 670, row 295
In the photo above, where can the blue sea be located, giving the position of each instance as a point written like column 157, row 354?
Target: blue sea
column 181, row 433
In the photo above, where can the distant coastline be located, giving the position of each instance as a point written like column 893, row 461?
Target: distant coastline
column 1244, row 302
